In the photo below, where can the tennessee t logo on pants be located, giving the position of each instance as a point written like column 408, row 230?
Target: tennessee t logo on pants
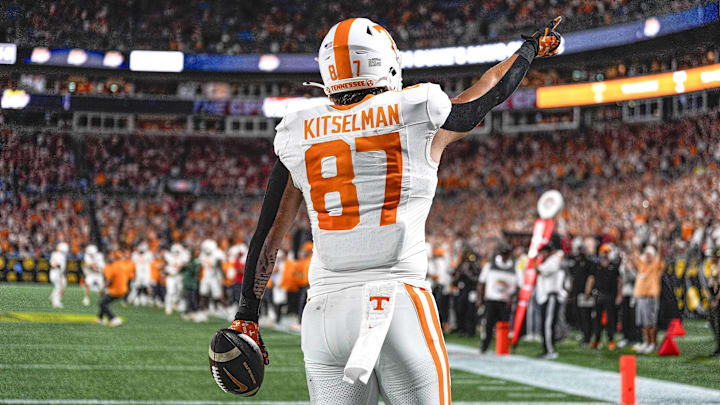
column 379, row 302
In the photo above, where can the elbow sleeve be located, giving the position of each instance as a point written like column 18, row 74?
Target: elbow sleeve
column 466, row 116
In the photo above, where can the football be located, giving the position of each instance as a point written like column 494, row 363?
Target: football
column 236, row 363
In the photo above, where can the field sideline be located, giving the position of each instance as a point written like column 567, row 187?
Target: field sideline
column 158, row 359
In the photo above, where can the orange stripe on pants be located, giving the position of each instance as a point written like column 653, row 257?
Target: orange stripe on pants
column 340, row 47
column 438, row 331
column 428, row 339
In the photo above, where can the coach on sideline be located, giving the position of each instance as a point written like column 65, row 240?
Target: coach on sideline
column 550, row 293
column 498, row 285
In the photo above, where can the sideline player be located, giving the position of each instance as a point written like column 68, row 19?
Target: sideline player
column 366, row 167
column 174, row 259
column 211, row 280
column 94, row 263
column 58, row 263
column 117, row 274
column 141, row 293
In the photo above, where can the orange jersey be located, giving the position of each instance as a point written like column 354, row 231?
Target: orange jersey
column 128, row 267
column 287, row 282
column 301, row 272
column 117, row 277
column 156, row 270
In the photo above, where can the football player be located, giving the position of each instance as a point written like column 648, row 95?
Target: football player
column 117, row 276
column 211, row 280
column 174, row 260
column 58, row 263
column 141, row 293
column 366, row 168
column 93, row 266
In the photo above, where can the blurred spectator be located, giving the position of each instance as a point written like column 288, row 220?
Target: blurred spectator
column 550, row 295
column 650, row 268
column 214, row 26
column 606, row 287
column 714, row 315
column 499, row 284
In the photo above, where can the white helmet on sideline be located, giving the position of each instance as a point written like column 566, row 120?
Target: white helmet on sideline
column 91, row 250
column 359, row 54
column 176, row 249
column 63, row 248
column 208, row 246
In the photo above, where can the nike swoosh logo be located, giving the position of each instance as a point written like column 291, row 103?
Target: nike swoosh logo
column 242, row 387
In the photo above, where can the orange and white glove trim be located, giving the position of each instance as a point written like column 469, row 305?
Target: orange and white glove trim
column 252, row 330
column 548, row 40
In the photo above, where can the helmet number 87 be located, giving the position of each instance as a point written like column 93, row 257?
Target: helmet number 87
column 342, row 182
column 333, row 72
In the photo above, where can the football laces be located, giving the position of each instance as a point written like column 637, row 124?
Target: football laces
column 216, row 377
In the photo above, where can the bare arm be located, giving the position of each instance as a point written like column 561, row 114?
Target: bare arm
column 277, row 215
column 589, row 284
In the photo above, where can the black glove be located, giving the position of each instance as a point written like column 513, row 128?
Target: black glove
column 546, row 40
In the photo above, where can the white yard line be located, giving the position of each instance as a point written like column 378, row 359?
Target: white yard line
column 171, row 402
column 575, row 380
column 130, row 367
column 118, row 348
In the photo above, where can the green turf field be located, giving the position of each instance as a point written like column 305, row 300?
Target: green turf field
column 48, row 354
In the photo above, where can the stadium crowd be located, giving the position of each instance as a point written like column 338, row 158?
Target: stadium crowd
column 212, row 26
column 625, row 187
column 621, row 174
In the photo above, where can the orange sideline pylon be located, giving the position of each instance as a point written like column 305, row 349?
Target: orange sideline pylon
column 627, row 379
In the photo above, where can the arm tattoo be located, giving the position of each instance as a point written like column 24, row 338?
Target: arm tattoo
column 261, row 257
column 264, row 269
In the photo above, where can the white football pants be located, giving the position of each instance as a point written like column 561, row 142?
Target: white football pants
column 211, row 287
column 94, row 281
column 173, row 292
column 412, row 367
column 58, row 280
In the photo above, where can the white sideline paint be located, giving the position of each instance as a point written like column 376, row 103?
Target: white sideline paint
column 575, row 380
column 151, row 402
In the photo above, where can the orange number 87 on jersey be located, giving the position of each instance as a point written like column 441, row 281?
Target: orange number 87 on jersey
column 342, row 182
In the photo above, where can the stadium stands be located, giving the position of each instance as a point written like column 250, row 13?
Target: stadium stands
column 614, row 180
column 201, row 26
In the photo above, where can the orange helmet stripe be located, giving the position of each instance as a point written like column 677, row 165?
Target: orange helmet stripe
column 340, row 47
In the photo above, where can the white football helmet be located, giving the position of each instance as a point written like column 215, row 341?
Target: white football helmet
column 63, row 248
column 176, row 249
column 208, row 246
column 143, row 247
column 359, row 54
column 91, row 250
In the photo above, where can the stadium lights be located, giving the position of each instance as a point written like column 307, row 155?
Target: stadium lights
column 650, row 86
column 8, row 54
column 156, row 61
column 14, row 99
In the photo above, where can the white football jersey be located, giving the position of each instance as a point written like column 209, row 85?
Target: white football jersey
column 175, row 261
column 368, row 182
column 94, row 263
column 143, row 261
column 58, row 261
column 212, row 264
